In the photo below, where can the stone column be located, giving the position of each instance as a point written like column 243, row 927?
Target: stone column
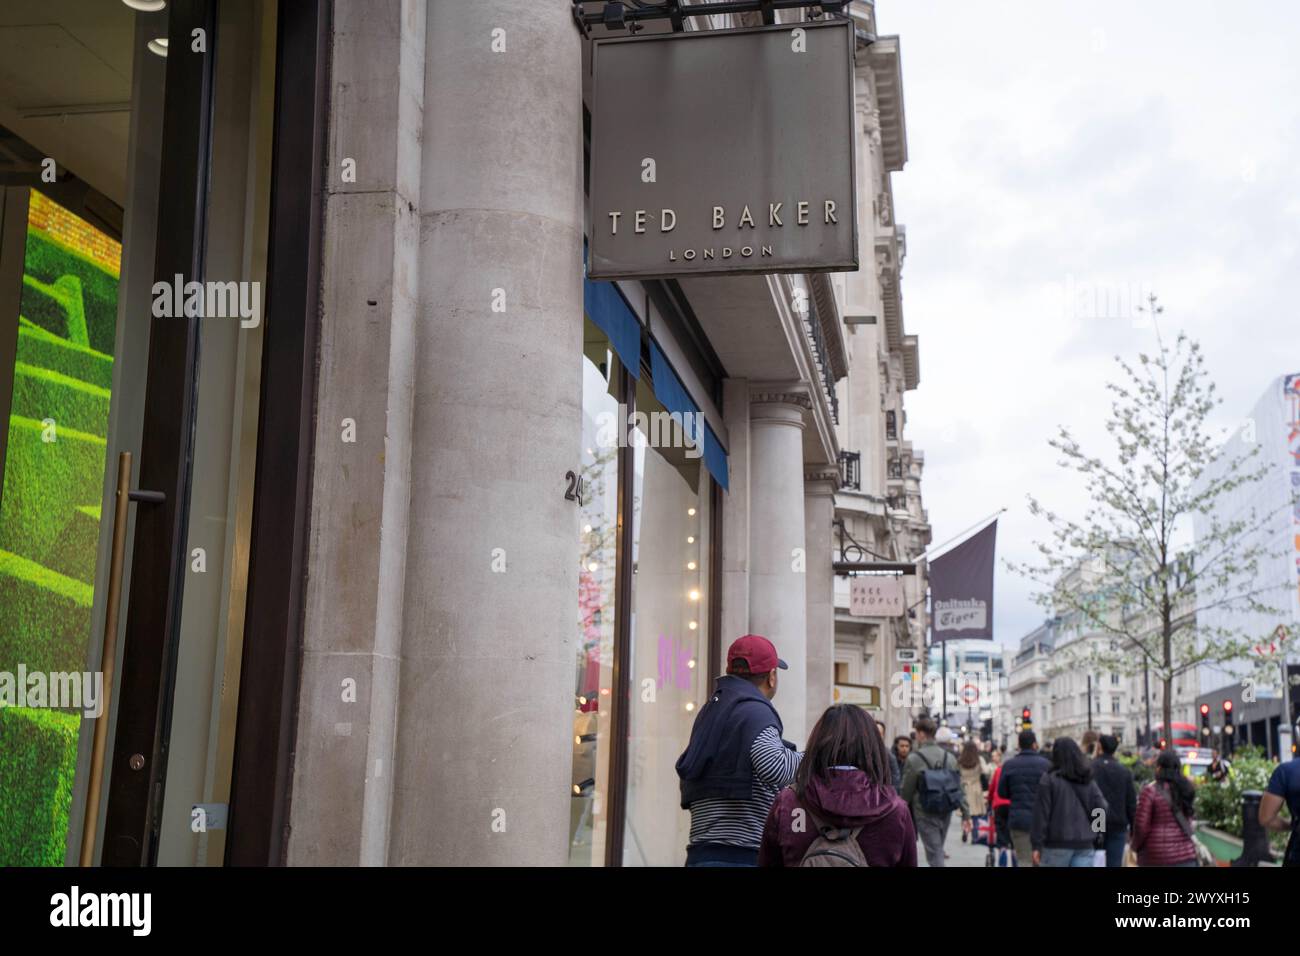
column 485, row 739
column 352, row 618
column 735, row 518
column 777, row 560
column 819, row 512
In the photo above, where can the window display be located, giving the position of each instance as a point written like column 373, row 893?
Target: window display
column 669, row 632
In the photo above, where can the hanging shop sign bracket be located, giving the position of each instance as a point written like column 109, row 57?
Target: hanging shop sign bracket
column 629, row 14
column 853, row 556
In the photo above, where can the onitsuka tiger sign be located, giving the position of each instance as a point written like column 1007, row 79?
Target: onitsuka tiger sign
column 723, row 152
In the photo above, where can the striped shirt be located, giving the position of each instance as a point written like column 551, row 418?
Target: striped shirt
column 740, row 822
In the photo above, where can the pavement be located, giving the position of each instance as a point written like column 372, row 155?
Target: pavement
column 959, row 854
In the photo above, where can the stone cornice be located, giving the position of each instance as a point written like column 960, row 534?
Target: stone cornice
column 800, row 399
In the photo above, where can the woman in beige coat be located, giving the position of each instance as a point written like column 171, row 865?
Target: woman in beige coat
column 974, row 779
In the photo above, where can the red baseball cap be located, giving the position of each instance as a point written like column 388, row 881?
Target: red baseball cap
column 753, row 654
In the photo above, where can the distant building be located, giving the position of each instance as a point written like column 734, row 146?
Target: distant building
column 1273, row 428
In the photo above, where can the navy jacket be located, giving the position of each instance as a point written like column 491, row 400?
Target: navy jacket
column 716, row 762
column 1019, row 784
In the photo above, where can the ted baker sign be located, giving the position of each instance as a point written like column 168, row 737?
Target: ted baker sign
column 723, row 152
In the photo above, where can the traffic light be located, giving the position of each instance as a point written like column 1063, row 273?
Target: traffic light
column 1025, row 722
column 1205, row 725
column 1227, row 728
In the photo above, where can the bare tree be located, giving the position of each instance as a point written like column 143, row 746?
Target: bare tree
column 1118, row 572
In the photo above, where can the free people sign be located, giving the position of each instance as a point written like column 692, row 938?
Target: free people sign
column 721, row 152
column 876, row 595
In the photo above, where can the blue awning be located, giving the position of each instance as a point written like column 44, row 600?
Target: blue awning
column 677, row 402
column 605, row 306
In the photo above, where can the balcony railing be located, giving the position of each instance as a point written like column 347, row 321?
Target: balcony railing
column 813, row 326
column 851, row 470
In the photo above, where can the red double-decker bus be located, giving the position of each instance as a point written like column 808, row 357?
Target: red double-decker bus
column 1184, row 735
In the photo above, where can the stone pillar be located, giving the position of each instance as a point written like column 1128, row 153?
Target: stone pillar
column 819, row 512
column 735, row 518
column 777, row 560
column 485, row 740
column 352, row 619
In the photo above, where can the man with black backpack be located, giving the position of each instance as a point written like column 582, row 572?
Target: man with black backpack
column 932, row 788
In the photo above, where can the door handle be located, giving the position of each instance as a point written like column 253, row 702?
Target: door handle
column 108, row 657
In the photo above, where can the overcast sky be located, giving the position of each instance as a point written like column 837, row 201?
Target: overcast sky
column 1066, row 159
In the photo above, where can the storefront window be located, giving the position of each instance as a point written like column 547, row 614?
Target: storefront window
column 597, row 588
column 669, row 630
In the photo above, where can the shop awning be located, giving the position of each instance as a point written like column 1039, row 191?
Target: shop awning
column 677, row 401
column 606, row 308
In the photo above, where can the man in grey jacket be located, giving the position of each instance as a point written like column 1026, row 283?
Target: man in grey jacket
column 928, row 755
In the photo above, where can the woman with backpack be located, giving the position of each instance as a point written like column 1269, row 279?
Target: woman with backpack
column 1162, row 826
column 841, row 809
column 1066, row 807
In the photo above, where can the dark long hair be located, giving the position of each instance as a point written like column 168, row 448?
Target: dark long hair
column 970, row 755
column 845, row 736
column 1170, row 770
column 1069, row 762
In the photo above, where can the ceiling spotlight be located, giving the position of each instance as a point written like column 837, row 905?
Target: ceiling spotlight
column 146, row 6
column 158, row 46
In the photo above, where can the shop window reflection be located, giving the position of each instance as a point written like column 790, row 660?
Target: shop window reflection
column 669, row 628
column 597, row 587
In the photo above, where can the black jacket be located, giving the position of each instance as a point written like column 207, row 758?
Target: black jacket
column 716, row 762
column 1063, row 813
column 1019, row 784
column 1116, row 784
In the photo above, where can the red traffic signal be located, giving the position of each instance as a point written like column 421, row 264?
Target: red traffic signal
column 1205, row 710
column 1025, row 714
column 1227, row 706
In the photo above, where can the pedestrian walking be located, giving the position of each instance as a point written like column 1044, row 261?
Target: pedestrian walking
column 932, row 788
column 1284, row 788
column 974, row 779
column 1117, row 786
column 1018, row 783
column 998, row 821
column 1162, row 831
column 736, row 761
column 1219, row 769
column 1066, row 810
column 895, row 765
column 901, row 749
column 840, row 810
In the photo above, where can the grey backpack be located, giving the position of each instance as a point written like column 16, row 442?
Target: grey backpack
column 834, row 846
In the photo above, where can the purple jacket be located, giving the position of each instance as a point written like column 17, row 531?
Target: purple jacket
column 847, row 799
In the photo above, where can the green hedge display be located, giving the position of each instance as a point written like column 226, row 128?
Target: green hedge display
column 38, row 755
column 44, row 483
column 49, row 529
column 45, row 350
column 41, row 393
column 48, row 261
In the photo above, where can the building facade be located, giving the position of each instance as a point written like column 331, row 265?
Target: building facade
column 436, row 561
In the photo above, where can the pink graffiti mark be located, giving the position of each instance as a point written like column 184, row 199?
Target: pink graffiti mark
column 674, row 664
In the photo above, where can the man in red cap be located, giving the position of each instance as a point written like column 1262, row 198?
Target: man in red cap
column 736, row 761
